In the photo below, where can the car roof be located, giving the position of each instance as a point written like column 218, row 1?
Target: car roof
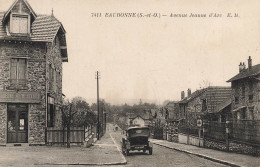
column 144, row 127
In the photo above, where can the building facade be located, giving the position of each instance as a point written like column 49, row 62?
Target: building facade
column 245, row 101
column 32, row 50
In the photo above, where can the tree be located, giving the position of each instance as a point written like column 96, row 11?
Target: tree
column 76, row 113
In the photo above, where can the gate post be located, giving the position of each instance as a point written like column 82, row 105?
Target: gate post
column 227, row 134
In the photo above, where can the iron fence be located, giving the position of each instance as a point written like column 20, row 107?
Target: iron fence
column 245, row 130
column 188, row 130
column 215, row 130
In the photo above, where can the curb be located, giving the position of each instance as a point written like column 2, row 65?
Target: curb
column 89, row 164
column 201, row 156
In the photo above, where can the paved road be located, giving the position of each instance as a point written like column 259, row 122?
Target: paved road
column 163, row 157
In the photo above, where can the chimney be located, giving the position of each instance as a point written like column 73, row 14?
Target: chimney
column 249, row 63
column 182, row 95
column 244, row 66
column 189, row 93
column 240, row 67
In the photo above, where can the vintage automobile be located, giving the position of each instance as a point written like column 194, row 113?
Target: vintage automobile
column 136, row 138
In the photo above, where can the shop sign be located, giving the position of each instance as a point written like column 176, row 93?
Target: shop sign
column 20, row 97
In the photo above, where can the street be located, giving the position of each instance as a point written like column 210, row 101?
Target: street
column 163, row 157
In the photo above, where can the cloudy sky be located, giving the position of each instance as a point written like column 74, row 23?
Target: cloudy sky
column 152, row 59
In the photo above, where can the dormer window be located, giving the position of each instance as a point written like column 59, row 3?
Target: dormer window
column 20, row 24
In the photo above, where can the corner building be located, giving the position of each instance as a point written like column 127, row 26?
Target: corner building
column 32, row 50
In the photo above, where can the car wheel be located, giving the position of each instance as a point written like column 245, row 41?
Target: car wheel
column 150, row 151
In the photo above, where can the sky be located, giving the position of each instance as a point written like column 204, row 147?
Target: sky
column 152, row 59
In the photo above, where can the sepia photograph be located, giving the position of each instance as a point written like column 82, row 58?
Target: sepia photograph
column 129, row 83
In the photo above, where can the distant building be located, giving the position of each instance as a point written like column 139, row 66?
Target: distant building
column 116, row 127
column 172, row 110
column 32, row 50
column 139, row 120
column 246, row 92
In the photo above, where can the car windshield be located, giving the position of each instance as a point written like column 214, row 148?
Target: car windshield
column 138, row 132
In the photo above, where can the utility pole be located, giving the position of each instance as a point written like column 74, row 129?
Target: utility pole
column 98, row 124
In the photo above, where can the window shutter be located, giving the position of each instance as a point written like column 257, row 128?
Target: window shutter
column 16, row 24
column 23, row 25
column 13, row 75
column 21, row 69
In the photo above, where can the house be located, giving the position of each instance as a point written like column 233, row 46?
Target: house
column 139, row 120
column 202, row 104
column 32, row 50
column 246, row 92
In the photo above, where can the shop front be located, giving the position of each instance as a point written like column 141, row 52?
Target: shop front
column 16, row 114
column 17, row 123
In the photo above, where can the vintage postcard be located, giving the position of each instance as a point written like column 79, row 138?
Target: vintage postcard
column 129, row 83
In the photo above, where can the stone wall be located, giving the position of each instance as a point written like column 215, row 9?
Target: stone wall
column 37, row 123
column 55, row 61
column 244, row 101
column 35, row 54
column 244, row 148
column 237, row 147
column 3, row 122
column 214, row 144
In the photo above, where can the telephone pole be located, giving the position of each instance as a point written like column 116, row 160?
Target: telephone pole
column 98, row 119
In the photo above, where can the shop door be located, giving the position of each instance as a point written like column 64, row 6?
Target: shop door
column 17, row 123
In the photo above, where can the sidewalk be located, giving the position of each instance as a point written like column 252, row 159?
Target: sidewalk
column 231, row 159
column 104, row 152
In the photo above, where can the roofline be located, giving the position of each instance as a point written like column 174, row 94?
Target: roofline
column 139, row 116
column 257, row 73
column 231, row 80
column 34, row 14
column 11, row 7
column 186, row 100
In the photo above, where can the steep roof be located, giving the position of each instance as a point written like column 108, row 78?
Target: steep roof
column 144, row 116
column 246, row 73
column 226, row 102
column 213, row 95
column 44, row 28
column 14, row 3
column 192, row 96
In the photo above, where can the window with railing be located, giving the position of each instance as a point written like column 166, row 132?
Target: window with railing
column 18, row 72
